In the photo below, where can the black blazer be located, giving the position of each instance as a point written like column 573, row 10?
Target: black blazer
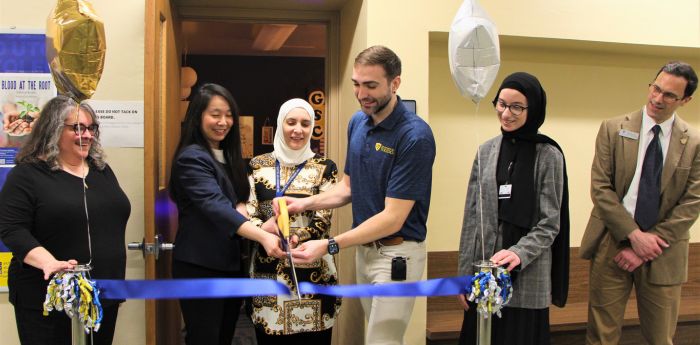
column 207, row 216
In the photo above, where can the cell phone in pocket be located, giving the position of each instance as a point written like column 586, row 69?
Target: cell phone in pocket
column 398, row 268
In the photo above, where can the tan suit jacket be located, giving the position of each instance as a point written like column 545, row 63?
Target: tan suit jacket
column 613, row 168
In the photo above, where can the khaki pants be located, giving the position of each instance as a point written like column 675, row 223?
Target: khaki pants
column 610, row 288
column 388, row 317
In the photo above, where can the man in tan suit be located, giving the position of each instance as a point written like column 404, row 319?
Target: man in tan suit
column 645, row 186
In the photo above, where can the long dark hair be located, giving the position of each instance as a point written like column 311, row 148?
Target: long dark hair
column 231, row 145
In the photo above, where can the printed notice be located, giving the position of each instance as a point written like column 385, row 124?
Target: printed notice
column 121, row 122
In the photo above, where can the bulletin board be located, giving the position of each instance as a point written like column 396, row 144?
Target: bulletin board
column 25, row 84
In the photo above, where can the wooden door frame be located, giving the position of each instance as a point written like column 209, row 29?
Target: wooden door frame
column 151, row 97
column 161, row 123
column 334, row 129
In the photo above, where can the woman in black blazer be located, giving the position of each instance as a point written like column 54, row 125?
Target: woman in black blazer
column 208, row 180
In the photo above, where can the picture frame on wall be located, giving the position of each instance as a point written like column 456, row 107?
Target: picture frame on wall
column 267, row 133
column 246, row 127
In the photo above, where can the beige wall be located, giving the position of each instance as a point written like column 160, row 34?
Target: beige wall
column 583, row 88
column 594, row 58
column 624, row 21
column 122, row 79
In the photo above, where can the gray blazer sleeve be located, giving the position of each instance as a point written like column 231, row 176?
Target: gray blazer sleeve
column 549, row 182
column 480, row 209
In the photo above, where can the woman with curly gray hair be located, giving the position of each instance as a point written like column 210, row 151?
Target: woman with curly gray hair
column 61, row 205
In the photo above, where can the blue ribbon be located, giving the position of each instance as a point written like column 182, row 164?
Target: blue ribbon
column 431, row 287
column 240, row 287
column 190, row 288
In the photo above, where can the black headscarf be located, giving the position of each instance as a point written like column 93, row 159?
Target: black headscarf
column 516, row 166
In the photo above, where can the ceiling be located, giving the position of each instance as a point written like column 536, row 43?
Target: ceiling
column 306, row 5
column 233, row 38
column 238, row 38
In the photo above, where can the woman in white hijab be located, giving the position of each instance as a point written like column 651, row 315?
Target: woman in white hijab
column 293, row 169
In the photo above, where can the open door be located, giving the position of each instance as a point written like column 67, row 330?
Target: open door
column 162, row 130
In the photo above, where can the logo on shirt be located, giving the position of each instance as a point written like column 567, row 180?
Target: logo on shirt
column 385, row 149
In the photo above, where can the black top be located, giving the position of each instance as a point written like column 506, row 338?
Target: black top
column 207, row 216
column 41, row 207
column 516, row 164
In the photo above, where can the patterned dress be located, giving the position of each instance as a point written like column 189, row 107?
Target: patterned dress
column 284, row 315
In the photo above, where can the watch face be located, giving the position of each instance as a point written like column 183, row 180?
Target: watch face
column 332, row 247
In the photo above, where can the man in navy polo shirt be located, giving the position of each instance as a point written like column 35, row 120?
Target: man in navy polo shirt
column 388, row 177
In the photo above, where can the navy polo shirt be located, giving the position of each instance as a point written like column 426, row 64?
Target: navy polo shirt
column 392, row 159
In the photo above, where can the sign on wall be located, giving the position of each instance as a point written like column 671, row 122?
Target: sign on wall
column 121, row 122
column 317, row 99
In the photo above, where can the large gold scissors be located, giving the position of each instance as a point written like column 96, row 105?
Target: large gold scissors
column 283, row 224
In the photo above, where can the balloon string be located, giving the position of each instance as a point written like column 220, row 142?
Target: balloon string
column 475, row 59
column 478, row 180
column 478, row 150
column 85, row 187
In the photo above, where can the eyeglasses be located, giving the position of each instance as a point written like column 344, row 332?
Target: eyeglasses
column 80, row 129
column 669, row 97
column 515, row 109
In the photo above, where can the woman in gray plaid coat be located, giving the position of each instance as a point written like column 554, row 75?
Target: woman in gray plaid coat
column 516, row 211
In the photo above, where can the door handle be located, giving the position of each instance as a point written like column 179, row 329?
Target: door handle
column 148, row 248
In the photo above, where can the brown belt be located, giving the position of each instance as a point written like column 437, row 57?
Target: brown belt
column 391, row 241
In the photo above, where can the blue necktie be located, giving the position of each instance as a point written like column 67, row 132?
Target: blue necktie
column 649, row 195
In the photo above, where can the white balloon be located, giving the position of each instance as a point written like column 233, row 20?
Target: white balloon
column 473, row 50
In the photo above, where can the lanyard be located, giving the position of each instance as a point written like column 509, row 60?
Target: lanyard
column 510, row 170
column 280, row 192
column 511, row 167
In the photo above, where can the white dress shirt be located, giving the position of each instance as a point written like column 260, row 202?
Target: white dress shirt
column 645, row 137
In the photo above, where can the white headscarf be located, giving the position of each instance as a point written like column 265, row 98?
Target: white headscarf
column 282, row 152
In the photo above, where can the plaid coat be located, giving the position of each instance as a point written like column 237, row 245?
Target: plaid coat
column 532, row 288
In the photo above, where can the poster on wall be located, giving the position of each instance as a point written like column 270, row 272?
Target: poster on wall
column 246, row 126
column 25, row 86
column 267, row 132
column 5, row 257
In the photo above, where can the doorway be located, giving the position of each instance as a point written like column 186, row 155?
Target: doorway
column 263, row 65
column 239, row 26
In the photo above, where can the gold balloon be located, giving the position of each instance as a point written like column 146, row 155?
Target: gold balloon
column 75, row 48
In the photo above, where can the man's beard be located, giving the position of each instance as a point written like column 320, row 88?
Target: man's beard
column 381, row 106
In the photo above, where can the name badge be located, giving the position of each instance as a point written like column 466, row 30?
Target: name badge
column 504, row 191
column 629, row 134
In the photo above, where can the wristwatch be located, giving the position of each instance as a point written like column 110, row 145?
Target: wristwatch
column 332, row 247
